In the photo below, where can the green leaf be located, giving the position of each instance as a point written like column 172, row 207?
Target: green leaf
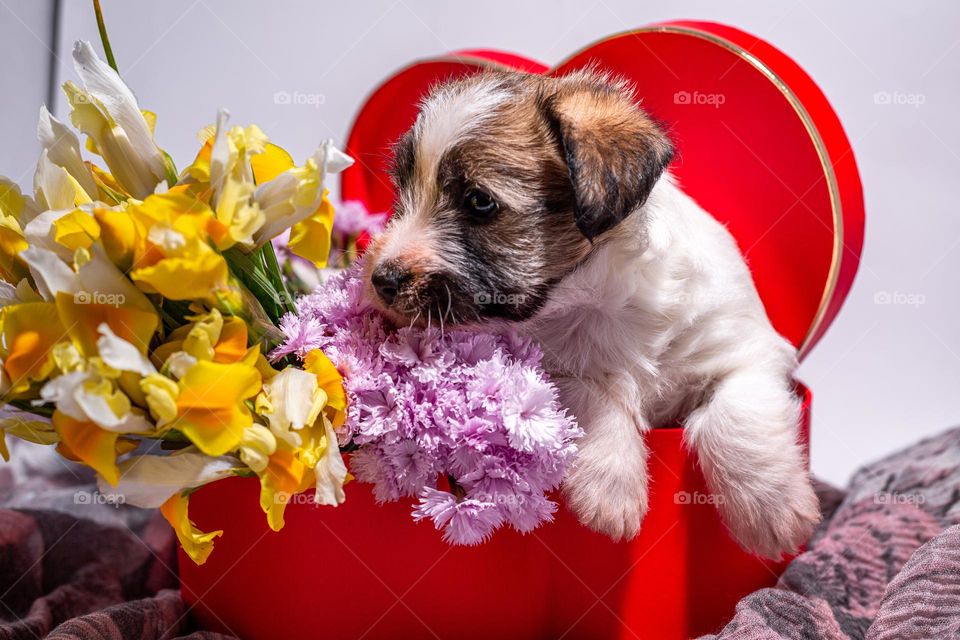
column 251, row 272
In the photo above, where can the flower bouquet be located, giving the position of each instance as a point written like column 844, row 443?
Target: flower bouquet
column 150, row 331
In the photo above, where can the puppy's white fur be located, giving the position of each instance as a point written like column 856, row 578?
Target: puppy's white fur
column 663, row 321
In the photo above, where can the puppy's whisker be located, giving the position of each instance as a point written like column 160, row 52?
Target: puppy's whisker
column 449, row 299
column 414, row 320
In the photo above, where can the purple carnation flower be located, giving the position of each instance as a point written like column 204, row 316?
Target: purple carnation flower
column 428, row 409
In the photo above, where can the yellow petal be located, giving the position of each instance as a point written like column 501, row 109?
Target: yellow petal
column 330, row 470
column 290, row 401
column 267, row 372
column 118, row 235
column 272, row 162
column 33, row 431
column 83, row 319
column 310, row 238
column 195, row 543
column 238, row 212
column 200, row 169
column 278, row 482
column 4, row 452
column 15, row 210
column 256, row 447
column 12, row 244
column 30, row 331
column 176, row 205
column 76, row 230
column 151, row 119
column 232, row 345
column 198, row 344
column 110, row 189
column 328, row 378
column 86, row 442
column 161, row 396
column 192, row 278
column 210, row 323
column 210, row 407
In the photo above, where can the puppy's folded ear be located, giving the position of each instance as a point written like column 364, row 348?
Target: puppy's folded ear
column 614, row 152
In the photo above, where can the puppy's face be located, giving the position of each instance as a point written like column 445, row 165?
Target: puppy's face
column 503, row 184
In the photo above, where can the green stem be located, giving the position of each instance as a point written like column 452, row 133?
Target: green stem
column 25, row 406
column 104, row 39
column 276, row 276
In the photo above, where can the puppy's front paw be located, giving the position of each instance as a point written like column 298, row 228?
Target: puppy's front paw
column 775, row 520
column 607, row 501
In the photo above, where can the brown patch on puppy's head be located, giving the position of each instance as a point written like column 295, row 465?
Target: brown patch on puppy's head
column 503, row 184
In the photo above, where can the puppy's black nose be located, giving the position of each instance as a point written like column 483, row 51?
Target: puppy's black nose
column 387, row 280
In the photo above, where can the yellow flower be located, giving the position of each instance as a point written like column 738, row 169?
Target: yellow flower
column 173, row 256
column 107, row 112
column 195, row 543
column 209, row 337
column 210, row 406
column 231, row 179
column 83, row 319
column 266, row 166
column 297, row 193
column 147, row 481
column 290, row 401
column 98, row 389
column 284, row 476
column 96, row 293
column 231, row 163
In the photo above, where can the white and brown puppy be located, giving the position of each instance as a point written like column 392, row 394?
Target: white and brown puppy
column 543, row 202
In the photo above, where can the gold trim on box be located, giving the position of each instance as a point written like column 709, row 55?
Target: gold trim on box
column 834, row 189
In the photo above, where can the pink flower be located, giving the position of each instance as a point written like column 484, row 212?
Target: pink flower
column 424, row 405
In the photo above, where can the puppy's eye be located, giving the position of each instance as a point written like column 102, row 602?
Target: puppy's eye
column 479, row 204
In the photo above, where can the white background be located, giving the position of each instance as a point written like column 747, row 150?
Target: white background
column 884, row 375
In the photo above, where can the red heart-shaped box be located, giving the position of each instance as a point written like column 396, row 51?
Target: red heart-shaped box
column 760, row 148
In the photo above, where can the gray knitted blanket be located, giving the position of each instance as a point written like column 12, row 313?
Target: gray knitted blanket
column 884, row 565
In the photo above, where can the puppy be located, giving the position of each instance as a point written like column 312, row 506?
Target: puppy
column 544, row 203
